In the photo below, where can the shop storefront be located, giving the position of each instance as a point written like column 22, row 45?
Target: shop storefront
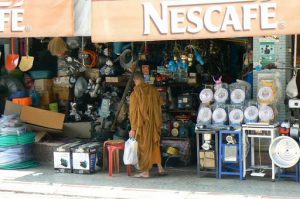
column 220, row 66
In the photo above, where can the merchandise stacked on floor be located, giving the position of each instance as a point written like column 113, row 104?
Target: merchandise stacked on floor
column 15, row 144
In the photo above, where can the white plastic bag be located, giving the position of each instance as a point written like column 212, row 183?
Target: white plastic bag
column 291, row 88
column 130, row 156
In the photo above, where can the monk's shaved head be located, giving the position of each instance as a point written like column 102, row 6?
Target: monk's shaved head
column 138, row 76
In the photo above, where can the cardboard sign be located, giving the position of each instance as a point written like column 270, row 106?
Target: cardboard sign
column 149, row 20
column 36, row 18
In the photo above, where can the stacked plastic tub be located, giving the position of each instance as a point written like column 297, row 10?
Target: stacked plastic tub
column 16, row 144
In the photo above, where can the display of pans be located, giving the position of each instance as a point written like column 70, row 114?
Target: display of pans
column 266, row 114
column 204, row 115
column 237, row 96
column 219, row 116
column 251, row 114
column 265, row 95
column 236, row 116
column 284, row 151
column 206, row 95
column 221, row 95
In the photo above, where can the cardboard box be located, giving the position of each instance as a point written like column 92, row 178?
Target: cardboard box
column 42, row 85
column 85, row 158
column 92, row 73
column 47, row 97
column 62, row 81
column 77, row 129
column 36, row 119
column 61, row 93
column 207, row 159
column 43, row 151
column 62, row 157
column 115, row 79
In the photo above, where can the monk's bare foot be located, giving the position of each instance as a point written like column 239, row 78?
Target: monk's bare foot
column 144, row 174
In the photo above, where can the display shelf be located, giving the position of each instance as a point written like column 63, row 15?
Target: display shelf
column 174, row 138
column 117, row 84
column 182, row 84
column 179, row 111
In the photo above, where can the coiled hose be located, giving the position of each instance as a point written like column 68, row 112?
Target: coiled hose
column 16, row 151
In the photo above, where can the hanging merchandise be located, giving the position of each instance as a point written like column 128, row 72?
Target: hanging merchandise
column 108, row 69
column 221, row 95
column 58, row 47
column 236, row 116
column 291, row 88
column 88, row 58
column 284, row 152
column 73, row 42
column 94, row 87
column 75, row 114
column 90, row 113
column 104, row 110
column 126, row 59
column 12, row 59
column 206, row 95
column 251, row 114
column 80, row 87
column 204, row 116
column 26, row 61
column 266, row 114
column 73, row 66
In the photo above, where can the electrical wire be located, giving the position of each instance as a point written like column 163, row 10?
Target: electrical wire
column 16, row 151
column 12, row 140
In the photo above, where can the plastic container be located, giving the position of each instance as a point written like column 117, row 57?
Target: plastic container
column 26, row 101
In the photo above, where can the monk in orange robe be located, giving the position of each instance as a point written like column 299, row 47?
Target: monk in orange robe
column 146, row 122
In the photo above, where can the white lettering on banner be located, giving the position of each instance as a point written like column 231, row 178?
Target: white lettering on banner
column 194, row 19
column 13, row 12
column 189, row 16
column 176, row 20
column 208, row 18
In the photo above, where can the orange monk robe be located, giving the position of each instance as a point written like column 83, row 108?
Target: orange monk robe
column 146, row 119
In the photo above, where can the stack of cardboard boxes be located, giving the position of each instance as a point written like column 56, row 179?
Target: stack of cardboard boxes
column 45, row 88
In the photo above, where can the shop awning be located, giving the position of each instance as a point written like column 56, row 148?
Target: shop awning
column 148, row 20
column 36, row 18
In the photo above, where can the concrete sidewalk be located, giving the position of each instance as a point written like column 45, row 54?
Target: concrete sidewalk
column 178, row 184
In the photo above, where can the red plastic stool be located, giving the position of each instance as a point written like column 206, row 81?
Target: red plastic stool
column 113, row 156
